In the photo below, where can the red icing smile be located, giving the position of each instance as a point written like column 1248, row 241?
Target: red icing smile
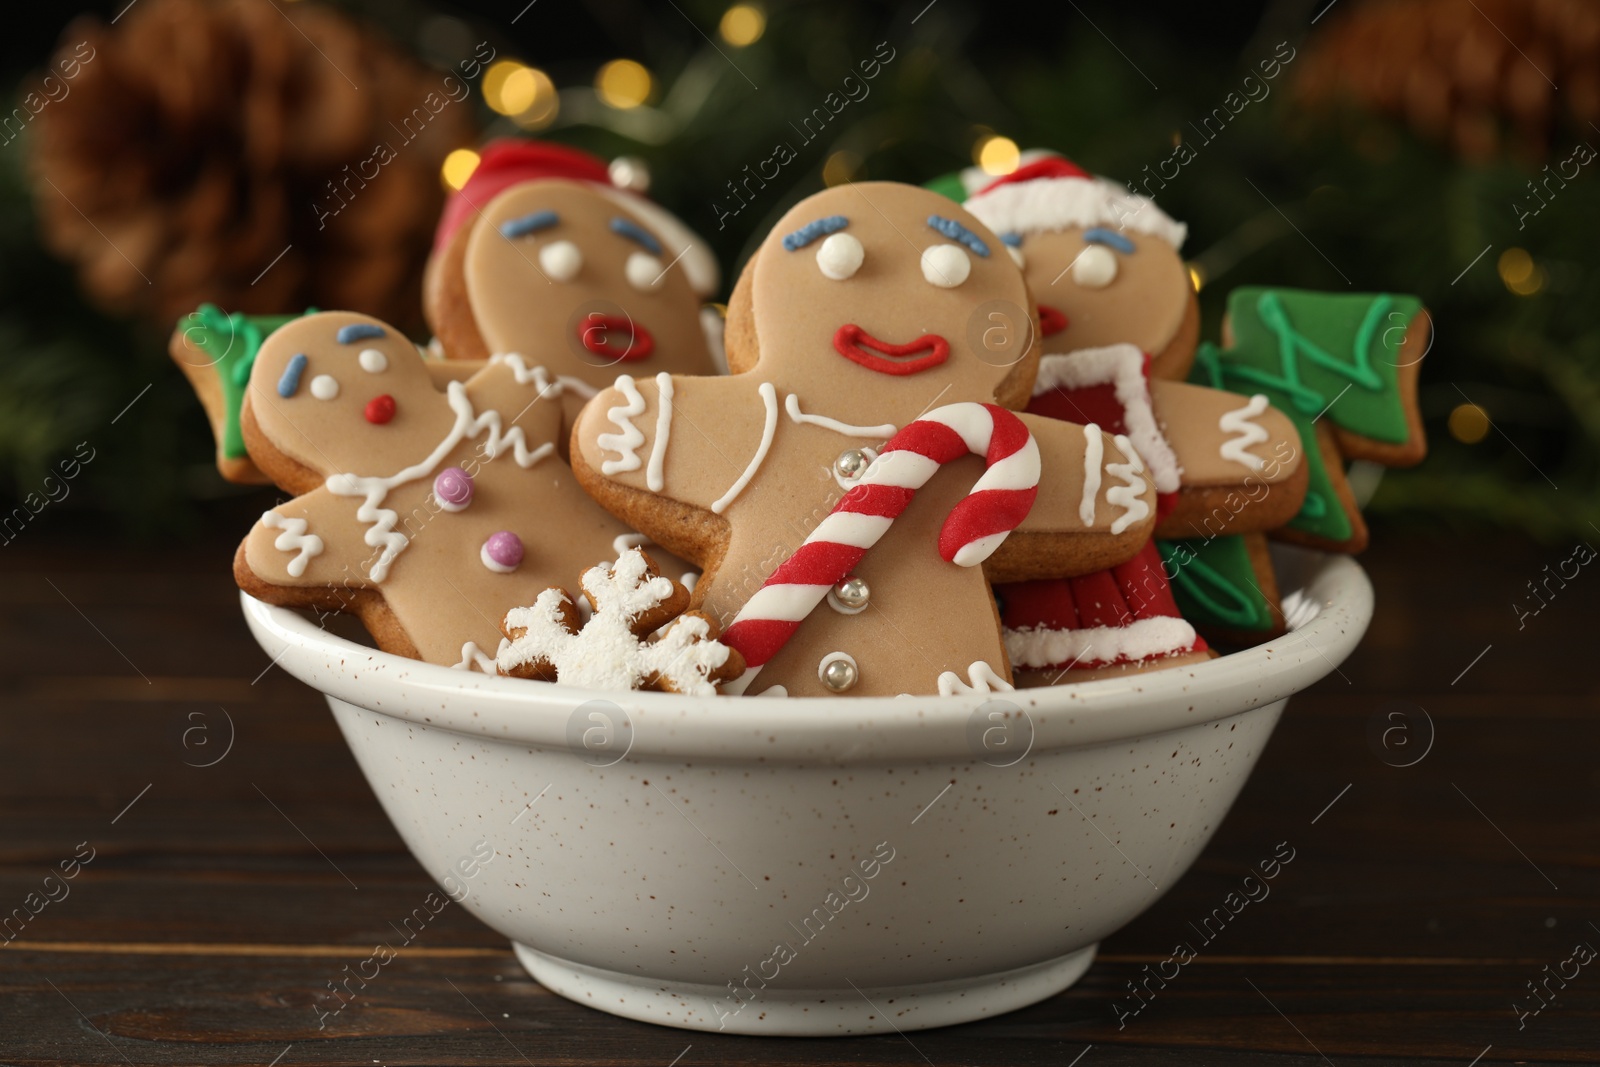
column 597, row 331
column 859, row 346
column 1051, row 320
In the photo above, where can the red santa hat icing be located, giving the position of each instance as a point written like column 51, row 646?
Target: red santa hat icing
column 1048, row 192
column 511, row 161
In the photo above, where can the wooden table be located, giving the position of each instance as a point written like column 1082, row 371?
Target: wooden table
column 219, row 901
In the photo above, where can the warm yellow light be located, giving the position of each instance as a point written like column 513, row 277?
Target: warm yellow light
column 541, row 109
column 1515, row 266
column 1197, row 277
column 622, row 83
column 458, row 167
column 840, row 168
column 1469, row 423
column 743, row 24
column 497, row 87
column 997, row 155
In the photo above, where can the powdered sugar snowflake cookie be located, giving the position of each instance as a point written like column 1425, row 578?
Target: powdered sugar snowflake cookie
column 612, row 649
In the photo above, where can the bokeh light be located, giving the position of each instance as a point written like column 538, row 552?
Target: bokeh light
column 743, row 24
column 1469, row 423
column 624, row 84
column 458, row 167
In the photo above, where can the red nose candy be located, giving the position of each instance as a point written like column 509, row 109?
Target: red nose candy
column 380, row 409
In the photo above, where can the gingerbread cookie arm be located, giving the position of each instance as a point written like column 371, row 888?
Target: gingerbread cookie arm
column 311, row 541
column 1093, row 489
column 654, row 437
column 1240, row 458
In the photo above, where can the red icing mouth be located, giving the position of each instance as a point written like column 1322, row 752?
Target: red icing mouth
column 859, row 346
column 600, row 334
column 1051, row 320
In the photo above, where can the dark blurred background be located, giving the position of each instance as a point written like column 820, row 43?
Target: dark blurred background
column 1441, row 148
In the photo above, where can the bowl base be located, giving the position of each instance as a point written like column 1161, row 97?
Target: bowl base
column 805, row 1012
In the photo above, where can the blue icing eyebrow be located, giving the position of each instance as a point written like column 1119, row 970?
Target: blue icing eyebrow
column 812, row 230
column 634, row 232
column 529, row 223
column 290, row 382
column 1102, row 236
column 358, row 331
column 957, row 232
column 1013, row 239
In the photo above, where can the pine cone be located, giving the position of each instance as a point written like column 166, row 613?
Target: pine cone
column 1475, row 76
column 202, row 138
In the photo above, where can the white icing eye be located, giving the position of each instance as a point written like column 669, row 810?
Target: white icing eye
column 644, row 271
column 372, row 361
column 946, row 266
column 840, row 256
column 1095, row 267
column 1016, row 255
column 324, row 387
column 560, row 260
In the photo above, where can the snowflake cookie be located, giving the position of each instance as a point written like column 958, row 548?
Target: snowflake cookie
column 612, row 649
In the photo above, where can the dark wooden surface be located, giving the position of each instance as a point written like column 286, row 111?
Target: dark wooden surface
column 1418, row 906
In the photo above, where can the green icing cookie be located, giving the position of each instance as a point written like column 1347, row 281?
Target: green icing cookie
column 1314, row 354
column 231, row 341
column 1213, row 583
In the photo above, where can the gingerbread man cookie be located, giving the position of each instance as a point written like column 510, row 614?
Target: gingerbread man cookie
column 874, row 317
column 541, row 254
column 216, row 349
column 430, row 513
column 1222, row 463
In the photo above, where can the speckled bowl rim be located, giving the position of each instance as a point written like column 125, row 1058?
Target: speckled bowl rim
column 833, row 729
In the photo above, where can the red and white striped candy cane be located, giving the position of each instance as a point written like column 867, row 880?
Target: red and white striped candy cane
column 998, row 503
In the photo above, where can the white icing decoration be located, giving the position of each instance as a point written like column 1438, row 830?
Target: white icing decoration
column 556, row 386
column 655, row 477
column 840, row 256
column 626, row 443
column 469, row 424
column 644, row 271
column 605, row 653
column 689, row 580
column 473, row 656
column 1055, row 204
column 1095, row 267
column 622, row 542
column 1138, row 640
column 1093, row 455
column 560, row 260
column 324, row 387
column 772, row 691
column 1129, row 496
column 983, row 679
column 712, row 326
column 293, row 539
column 791, row 404
column 1246, row 433
column 373, row 361
column 946, row 266
column 769, row 398
column 1122, row 366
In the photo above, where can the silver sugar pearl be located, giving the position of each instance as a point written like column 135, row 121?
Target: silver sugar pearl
column 850, row 463
column 852, row 592
column 840, row 675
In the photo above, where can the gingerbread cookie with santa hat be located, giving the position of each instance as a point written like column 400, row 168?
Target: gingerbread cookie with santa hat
column 878, row 335
column 549, row 252
column 429, row 512
column 1223, row 463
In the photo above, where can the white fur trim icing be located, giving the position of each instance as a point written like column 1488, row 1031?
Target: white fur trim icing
column 1054, row 204
column 1099, row 645
column 1122, row 366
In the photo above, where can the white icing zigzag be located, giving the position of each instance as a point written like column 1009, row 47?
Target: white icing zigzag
column 382, row 521
column 1129, row 496
column 625, row 444
column 293, row 539
column 1246, row 433
column 983, row 678
column 473, row 656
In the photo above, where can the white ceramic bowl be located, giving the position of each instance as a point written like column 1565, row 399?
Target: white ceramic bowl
column 814, row 866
